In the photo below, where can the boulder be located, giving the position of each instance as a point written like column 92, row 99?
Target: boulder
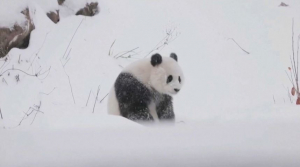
column 54, row 16
column 17, row 36
column 90, row 9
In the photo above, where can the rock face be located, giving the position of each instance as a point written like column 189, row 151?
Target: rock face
column 90, row 9
column 54, row 16
column 17, row 36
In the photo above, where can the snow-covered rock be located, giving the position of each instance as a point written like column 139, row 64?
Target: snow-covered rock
column 54, row 16
column 18, row 35
column 90, row 9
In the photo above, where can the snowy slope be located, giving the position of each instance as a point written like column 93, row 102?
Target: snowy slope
column 234, row 109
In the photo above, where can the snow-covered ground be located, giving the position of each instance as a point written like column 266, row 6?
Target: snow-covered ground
column 234, row 109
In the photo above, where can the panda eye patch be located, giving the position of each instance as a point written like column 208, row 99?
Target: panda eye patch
column 169, row 79
column 179, row 79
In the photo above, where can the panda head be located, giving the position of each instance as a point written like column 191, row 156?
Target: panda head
column 166, row 75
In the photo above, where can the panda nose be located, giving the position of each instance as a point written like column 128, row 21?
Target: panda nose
column 177, row 90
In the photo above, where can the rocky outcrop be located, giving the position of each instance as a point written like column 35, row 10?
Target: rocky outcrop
column 60, row 2
column 90, row 9
column 54, row 16
column 17, row 36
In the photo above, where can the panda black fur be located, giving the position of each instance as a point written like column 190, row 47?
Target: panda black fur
column 142, row 91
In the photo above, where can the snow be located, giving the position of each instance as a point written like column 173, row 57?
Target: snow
column 13, row 9
column 47, row 5
column 233, row 110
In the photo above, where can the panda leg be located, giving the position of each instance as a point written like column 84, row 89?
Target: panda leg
column 136, row 112
column 165, row 109
column 133, row 98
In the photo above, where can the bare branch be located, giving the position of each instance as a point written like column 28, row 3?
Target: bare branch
column 297, row 70
column 293, row 51
column 68, row 53
column 103, row 98
column 110, row 53
column 69, row 83
column 38, row 51
column 290, row 79
column 88, row 98
column 1, row 114
column 239, row 45
column 66, row 62
column 96, row 98
column 72, row 37
column 165, row 41
column 17, row 70
column 35, row 108
column 49, row 92
column 3, row 80
column 116, row 56
column 71, row 88
column 289, row 95
column 37, row 111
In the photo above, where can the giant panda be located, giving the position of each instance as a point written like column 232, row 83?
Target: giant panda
column 143, row 91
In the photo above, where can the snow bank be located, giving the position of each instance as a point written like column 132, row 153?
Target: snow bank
column 10, row 13
column 70, row 7
column 47, row 5
column 234, row 109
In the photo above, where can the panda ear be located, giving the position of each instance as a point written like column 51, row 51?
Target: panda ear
column 174, row 56
column 156, row 59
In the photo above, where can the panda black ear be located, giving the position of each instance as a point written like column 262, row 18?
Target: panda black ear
column 174, row 56
column 156, row 59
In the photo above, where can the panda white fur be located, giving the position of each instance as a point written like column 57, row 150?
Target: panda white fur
column 143, row 90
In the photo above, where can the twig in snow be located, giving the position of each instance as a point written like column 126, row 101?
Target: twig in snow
column 44, row 73
column 35, row 116
column 165, row 41
column 103, row 97
column 289, row 95
column 3, row 80
column 1, row 114
column 37, row 53
column 49, row 92
column 19, row 59
column 31, row 110
column 239, row 45
column 71, row 88
column 110, row 53
column 66, row 62
column 294, row 69
column 96, row 98
column 88, row 98
column 5, row 63
column 69, row 83
column 68, row 54
column 17, row 70
column 72, row 37
column 118, row 56
column 32, row 75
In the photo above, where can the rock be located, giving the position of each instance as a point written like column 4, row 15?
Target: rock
column 60, row 2
column 17, row 36
column 54, row 16
column 90, row 9
column 283, row 4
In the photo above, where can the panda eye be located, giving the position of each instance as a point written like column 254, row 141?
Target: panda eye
column 169, row 79
column 179, row 79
